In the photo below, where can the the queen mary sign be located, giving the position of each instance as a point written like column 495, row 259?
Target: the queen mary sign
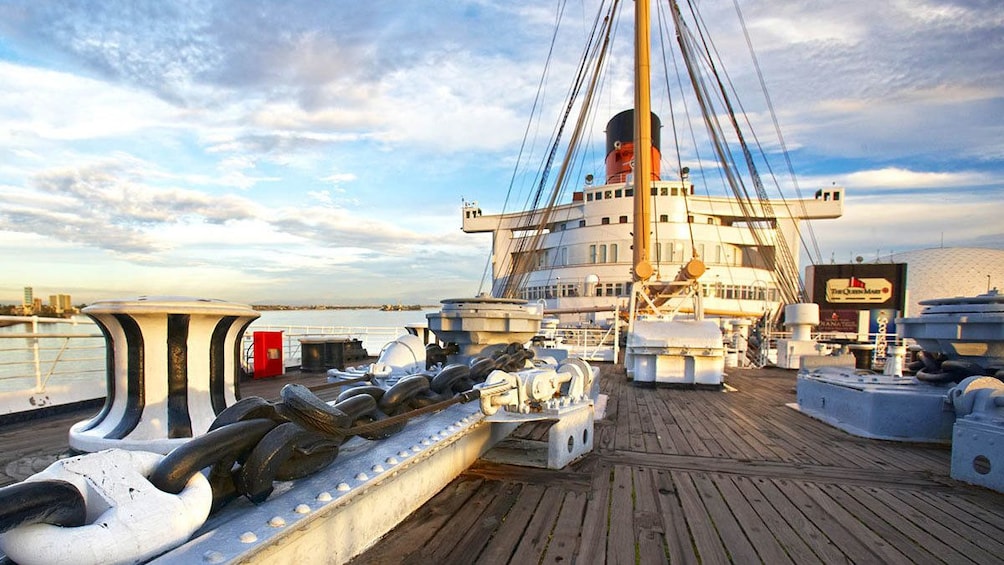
column 861, row 286
column 858, row 290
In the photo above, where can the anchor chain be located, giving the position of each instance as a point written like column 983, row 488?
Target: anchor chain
column 254, row 442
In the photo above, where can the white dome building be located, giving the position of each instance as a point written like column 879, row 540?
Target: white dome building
column 949, row 272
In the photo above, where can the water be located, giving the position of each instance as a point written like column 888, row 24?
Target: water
column 64, row 360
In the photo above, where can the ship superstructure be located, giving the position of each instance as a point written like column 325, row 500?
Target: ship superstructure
column 582, row 259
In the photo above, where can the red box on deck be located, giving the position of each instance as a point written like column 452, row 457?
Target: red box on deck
column 268, row 361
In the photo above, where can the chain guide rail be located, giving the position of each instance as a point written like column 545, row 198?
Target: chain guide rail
column 254, row 443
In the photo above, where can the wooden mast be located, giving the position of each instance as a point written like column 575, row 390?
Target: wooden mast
column 642, row 270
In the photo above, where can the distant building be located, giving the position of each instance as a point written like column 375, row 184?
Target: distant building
column 28, row 296
column 60, row 303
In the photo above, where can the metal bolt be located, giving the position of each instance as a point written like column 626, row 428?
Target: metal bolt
column 248, row 537
column 213, row 557
column 378, row 468
column 302, row 509
column 277, row 522
column 392, row 460
column 362, row 477
column 324, row 497
column 342, row 487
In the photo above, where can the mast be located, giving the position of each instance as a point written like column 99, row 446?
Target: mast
column 642, row 270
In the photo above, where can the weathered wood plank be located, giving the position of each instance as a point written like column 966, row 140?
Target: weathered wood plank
column 706, row 539
column 648, row 530
column 800, row 524
column 847, row 523
column 733, row 537
column 422, row 525
column 941, row 527
column 620, row 540
column 435, row 548
column 748, row 518
column 475, row 528
column 534, row 541
column 890, row 525
column 503, row 542
column 593, row 542
column 565, row 540
column 793, row 546
column 679, row 545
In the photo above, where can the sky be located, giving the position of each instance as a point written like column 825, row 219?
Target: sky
column 311, row 152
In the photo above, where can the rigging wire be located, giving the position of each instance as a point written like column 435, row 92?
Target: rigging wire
column 596, row 50
column 792, row 288
column 777, row 128
column 526, row 134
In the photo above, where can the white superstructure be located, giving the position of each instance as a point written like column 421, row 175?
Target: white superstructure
column 584, row 258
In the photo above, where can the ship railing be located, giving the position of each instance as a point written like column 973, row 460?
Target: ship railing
column 38, row 353
column 590, row 343
column 374, row 338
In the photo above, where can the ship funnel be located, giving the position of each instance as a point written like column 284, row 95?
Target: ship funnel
column 620, row 146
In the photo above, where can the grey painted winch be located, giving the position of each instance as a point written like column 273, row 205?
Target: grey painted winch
column 172, row 366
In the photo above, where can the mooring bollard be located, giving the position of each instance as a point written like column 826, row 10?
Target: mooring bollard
column 172, row 366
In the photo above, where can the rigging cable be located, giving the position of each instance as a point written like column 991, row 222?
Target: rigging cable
column 523, row 260
column 526, row 134
column 777, row 128
column 788, row 269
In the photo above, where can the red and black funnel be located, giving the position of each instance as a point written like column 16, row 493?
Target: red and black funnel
column 620, row 146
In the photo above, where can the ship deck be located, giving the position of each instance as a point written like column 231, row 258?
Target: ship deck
column 677, row 475
column 697, row 476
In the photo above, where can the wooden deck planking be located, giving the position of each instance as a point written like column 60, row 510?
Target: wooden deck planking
column 695, row 476
column 679, row 476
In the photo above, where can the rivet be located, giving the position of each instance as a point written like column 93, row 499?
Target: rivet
column 302, row 509
column 403, row 454
column 416, row 448
column 277, row 522
column 213, row 557
column 426, row 442
column 248, row 537
column 342, row 487
column 392, row 460
column 362, row 477
column 324, row 497
column 378, row 468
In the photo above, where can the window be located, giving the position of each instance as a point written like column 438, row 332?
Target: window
column 664, row 191
column 608, row 194
column 711, row 221
column 663, row 218
column 603, row 254
column 629, row 192
column 836, row 196
column 589, row 197
column 613, row 253
column 605, row 221
column 676, row 191
column 623, row 219
column 564, row 227
column 618, row 193
column 599, row 196
column 690, row 219
column 592, row 253
column 582, row 223
column 655, row 191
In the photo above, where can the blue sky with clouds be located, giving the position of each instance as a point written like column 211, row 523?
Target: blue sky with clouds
column 317, row 152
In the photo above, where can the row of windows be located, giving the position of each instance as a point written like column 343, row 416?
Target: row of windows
column 629, row 192
column 674, row 251
column 708, row 290
column 663, row 219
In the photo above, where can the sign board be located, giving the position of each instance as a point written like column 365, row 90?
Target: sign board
column 863, row 291
column 859, row 286
column 838, row 321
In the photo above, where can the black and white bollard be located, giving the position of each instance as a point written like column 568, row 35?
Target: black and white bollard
column 173, row 365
